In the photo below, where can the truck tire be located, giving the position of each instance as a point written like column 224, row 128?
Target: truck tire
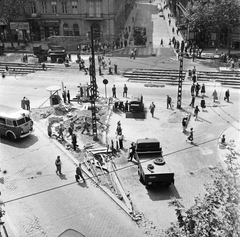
column 159, row 161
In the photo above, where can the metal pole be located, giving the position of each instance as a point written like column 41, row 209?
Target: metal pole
column 105, row 91
column 93, row 90
column 179, row 96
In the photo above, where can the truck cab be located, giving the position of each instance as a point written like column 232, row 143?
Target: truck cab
column 152, row 167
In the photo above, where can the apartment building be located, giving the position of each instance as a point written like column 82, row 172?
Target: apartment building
column 47, row 18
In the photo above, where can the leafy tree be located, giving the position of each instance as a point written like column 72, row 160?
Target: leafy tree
column 217, row 213
column 12, row 8
column 213, row 15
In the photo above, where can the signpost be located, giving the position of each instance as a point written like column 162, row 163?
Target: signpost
column 105, row 82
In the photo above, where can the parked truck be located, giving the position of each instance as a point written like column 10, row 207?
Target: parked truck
column 152, row 168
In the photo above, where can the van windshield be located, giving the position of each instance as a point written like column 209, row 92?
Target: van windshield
column 21, row 121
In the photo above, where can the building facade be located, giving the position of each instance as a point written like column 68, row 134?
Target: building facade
column 47, row 18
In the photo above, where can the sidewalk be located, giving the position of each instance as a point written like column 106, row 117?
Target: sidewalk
column 232, row 135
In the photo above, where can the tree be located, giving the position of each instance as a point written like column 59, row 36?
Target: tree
column 217, row 213
column 13, row 8
column 213, row 15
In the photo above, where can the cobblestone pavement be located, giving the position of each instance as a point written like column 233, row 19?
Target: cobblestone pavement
column 41, row 203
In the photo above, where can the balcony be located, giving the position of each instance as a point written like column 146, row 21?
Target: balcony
column 94, row 16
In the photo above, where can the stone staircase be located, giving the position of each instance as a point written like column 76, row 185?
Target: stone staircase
column 230, row 79
column 22, row 68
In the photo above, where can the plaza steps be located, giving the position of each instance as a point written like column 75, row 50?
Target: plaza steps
column 22, row 68
column 231, row 79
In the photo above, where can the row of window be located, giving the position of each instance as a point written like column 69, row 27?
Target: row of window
column 94, row 8
column 14, row 123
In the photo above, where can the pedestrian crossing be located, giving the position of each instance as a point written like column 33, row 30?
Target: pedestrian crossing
column 141, row 52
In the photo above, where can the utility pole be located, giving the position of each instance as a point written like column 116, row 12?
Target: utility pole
column 179, row 96
column 93, row 86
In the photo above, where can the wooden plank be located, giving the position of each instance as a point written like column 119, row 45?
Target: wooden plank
column 120, row 188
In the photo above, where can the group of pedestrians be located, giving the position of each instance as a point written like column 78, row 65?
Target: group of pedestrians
column 78, row 174
column 25, row 103
column 114, row 91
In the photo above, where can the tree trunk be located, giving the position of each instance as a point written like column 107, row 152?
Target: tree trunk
column 10, row 34
column 229, row 41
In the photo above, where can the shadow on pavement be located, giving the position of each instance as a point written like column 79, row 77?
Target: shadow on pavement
column 157, row 193
column 20, row 143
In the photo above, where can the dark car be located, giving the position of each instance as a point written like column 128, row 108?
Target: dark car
column 136, row 104
column 55, row 52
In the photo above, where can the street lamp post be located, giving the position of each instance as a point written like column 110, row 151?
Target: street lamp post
column 179, row 96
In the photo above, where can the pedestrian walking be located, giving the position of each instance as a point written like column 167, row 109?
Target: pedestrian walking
column 64, row 96
column 184, row 124
column 79, row 173
column 119, row 128
column 43, row 66
column 161, row 43
column 194, row 70
column 190, row 137
column 100, row 70
column 85, row 126
column 74, row 141
column 126, row 106
column 203, row 90
column 169, row 101
column 70, row 131
column 202, row 103
column 68, row 96
column 27, row 103
column 114, row 91
column 169, row 21
column 197, row 89
column 58, row 164
column 215, row 96
column 135, row 53
column 196, row 110
column 192, row 89
column 227, row 95
column 152, row 109
column 131, row 54
column 173, row 30
column 132, row 150
column 192, row 101
column 23, row 105
column 125, row 90
column 120, row 140
column 60, row 131
column 49, row 129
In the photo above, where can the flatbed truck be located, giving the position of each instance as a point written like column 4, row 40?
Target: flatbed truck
column 152, row 168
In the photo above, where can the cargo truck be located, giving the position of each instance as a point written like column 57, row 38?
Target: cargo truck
column 152, row 168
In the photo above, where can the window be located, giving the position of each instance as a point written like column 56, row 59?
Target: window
column 33, row 7
column 54, row 7
column 91, row 9
column 95, row 8
column 75, row 30
column 98, row 9
column 74, row 7
column 44, row 7
column 65, row 29
column 2, row 121
column 19, row 122
column 64, row 7
column 9, row 122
